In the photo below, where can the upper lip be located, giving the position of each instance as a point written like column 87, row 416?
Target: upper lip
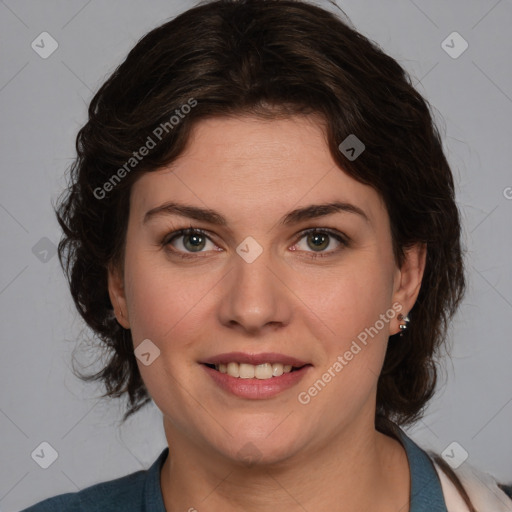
column 254, row 359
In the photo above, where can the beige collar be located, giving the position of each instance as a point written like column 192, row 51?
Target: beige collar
column 481, row 488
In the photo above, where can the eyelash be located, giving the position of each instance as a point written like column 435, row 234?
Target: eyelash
column 342, row 239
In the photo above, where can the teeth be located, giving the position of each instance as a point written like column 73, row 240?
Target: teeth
column 249, row 371
column 263, row 371
column 233, row 369
column 277, row 369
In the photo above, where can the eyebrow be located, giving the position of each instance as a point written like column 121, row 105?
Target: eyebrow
column 312, row 211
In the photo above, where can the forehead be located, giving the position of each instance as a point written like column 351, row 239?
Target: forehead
column 248, row 165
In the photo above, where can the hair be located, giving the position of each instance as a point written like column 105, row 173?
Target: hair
column 271, row 59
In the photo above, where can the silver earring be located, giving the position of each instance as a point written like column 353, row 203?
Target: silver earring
column 403, row 326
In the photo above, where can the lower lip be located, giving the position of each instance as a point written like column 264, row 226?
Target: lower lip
column 257, row 389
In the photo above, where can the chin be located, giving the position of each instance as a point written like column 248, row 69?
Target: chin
column 252, row 450
column 254, row 455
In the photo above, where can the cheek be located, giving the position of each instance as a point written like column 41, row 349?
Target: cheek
column 353, row 351
column 350, row 298
column 161, row 301
column 350, row 302
column 165, row 307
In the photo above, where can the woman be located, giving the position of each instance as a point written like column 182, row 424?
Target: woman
column 261, row 228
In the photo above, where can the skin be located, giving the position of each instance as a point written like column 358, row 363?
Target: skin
column 325, row 455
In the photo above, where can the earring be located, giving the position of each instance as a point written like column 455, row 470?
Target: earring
column 403, row 326
column 117, row 311
column 115, row 314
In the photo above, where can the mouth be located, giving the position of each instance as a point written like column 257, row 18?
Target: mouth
column 262, row 371
column 255, row 376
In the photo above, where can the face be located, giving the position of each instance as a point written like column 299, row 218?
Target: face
column 265, row 275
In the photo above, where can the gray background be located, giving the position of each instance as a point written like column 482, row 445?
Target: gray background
column 43, row 104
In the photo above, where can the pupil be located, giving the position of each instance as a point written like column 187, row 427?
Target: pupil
column 196, row 241
column 319, row 238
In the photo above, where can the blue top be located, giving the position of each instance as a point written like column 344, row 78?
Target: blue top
column 140, row 491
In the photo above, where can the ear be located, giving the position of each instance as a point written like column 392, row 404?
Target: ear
column 116, row 292
column 408, row 279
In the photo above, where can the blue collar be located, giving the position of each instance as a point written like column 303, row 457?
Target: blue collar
column 426, row 491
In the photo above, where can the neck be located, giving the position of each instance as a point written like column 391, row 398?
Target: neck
column 359, row 470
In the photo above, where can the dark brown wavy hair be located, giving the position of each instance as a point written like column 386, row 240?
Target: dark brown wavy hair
column 267, row 58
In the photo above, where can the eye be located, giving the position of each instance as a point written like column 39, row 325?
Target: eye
column 191, row 240
column 320, row 239
column 185, row 242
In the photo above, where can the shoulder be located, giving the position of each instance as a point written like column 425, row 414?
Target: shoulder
column 484, row 491
column 135, row 492
column 125, row 493
column 458, row 485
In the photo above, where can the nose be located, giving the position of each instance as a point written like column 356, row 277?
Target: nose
column 255, row 297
